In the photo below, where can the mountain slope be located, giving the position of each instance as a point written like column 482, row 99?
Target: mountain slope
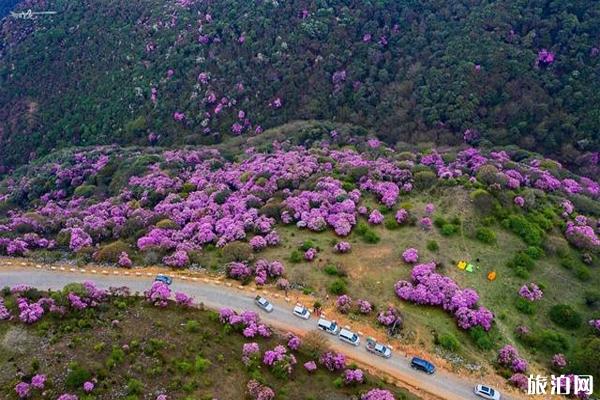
column 412, row 70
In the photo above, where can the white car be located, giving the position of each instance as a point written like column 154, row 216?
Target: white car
column 301, row 312
column 487, row 392
column 378, row 348
column 263, row 303
column 349, row 337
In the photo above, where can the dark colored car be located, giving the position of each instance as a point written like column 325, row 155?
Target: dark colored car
column 423, row 365
column 167, row 280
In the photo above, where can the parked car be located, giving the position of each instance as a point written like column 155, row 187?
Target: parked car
column 167, row 280
column 378, row 348
column 349, row 337
column 263, row 303
column 301, row 312
column 330, row 327
column 487, row 392
column 422, row 365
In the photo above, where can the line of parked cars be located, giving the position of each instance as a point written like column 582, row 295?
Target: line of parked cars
column 372, row 346
column 346, row 335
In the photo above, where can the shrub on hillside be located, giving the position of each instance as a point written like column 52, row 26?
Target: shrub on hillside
column 529, row 232
column 338, row 287
column 565, row 316
column 167, row 224
column 481, row 338
column 110, row 253
column 236, row 251
column 425, row 180
column 485, row 235
column 85, row 190
column 449, row 342
column 483, row 201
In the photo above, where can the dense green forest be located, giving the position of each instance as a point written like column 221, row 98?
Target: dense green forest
column 522, row 72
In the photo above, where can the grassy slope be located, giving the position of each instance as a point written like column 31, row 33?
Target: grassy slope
column 374, row 268
column 162, row 354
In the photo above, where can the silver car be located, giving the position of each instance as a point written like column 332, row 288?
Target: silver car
column 487, row 392
column 263, row 303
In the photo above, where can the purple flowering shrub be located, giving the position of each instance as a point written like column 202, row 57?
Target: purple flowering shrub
column 519, row 380
column 310, row 366
column 158, row 294
column 343, row 304
column 376, row 217
column 595, row 324
column 390, row 317
column 124, row 260
column 310, row 254
column 559, row 361
column 363, row 306
column 377, row 394
column 250, row 353
column 342, row 247
column 258, row 391
column 217, row 206
column 280, row 360
column 333, row 361
column 410, row 255
column 248, row 322
column 531, row 292
column 4, row 311
column 24, row 389
column 353, row 376
column 508, row 357
column 430, row 288
column 182, row 299
column 294, row 342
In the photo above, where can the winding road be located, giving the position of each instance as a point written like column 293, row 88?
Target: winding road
column 442, row 384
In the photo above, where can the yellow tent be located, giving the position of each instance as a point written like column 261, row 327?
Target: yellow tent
column 462, row 265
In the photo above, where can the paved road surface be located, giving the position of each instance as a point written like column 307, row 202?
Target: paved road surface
column 441, row 385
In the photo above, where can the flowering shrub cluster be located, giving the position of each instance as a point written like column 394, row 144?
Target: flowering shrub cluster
column 158, row 294
column 263, row 270
column 333, row 361
column 410, row 255
column 430, row 288
column 378, row 394
column 310, row 366
column 124, row 260
column 390, row 317
column 343, row 303
column 258, row 391
column 250, row 353
column 294, row 342
column 310, row 254
column 364, row 307
column 559, row 361
column 342, row 247
column 353, row 376
column 508, row 356
column 182, row 299
column 531, row 292
column 280, row 359
column 210, row 200
column 247, row 322
column 24, row 389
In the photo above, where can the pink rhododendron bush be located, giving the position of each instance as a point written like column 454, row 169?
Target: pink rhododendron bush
column 430, row 288
column 179, row 202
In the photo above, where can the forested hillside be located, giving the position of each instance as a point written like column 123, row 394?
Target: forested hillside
column 519, row 72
